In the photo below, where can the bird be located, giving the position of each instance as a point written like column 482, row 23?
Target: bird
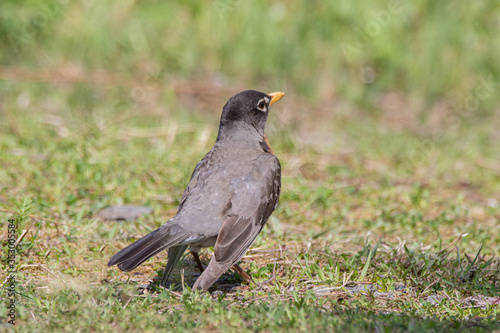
column 232, row 193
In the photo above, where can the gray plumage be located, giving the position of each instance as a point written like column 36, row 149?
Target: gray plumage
column 231, row 195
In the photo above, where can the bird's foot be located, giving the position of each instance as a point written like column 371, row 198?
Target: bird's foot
column 198, row 261
column 243, row 274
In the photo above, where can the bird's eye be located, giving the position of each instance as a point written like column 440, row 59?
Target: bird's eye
column 262, row 105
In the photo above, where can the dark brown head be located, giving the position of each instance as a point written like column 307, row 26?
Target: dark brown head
column 249, row 107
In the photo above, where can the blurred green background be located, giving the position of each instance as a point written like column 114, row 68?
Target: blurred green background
column 429, row 51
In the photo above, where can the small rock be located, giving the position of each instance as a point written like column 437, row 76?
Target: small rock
column 434, row 299
column 145, row 286
column 144, row 289
column 322, row 290
column 399, row 287
column 361, row 288
column 217, row 293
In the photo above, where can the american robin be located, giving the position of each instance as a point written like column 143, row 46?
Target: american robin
column 232, row 192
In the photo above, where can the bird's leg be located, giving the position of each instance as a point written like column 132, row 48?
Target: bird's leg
column 243, row 274
column 198, row 261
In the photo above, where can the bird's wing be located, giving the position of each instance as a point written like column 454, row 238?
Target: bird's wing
column 254, row 198
column 200, row 169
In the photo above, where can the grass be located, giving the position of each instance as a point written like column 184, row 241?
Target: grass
column 389, row 214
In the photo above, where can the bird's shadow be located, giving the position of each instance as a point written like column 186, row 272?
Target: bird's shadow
column 187, row 276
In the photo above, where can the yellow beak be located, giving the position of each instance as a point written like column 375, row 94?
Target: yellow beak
column 275, row 96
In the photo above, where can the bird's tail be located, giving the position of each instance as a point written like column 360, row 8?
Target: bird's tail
column 136, row 253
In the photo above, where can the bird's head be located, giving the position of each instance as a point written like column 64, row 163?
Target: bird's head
column 249, row 107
